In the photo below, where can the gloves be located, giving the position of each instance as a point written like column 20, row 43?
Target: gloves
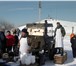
column 41, row 52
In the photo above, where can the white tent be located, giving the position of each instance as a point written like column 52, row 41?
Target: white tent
column 66, row 24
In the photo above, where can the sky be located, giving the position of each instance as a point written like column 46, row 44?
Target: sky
column 22, row 12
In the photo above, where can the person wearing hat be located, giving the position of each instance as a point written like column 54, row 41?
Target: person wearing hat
column 10, row 41
column 73, row 45
column 23, row 40
column 59, row 34
column 25, row 56
column 15, row 47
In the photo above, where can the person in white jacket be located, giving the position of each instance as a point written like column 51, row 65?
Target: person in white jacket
column 25, row 57
column 59, row 35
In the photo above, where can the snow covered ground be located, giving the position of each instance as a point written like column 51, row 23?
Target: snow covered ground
column 70, row 61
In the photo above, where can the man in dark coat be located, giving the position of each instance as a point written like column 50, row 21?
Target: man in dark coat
column 15, row 47
column 73, row 45
column 59, row 35
column 2, row 40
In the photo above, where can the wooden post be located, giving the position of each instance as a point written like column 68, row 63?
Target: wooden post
column 72, row 29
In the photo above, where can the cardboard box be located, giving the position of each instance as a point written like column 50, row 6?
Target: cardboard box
column 58, row 59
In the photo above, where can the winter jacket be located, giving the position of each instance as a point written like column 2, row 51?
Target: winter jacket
column 73, row 42
column 10, row 40
column 62, row 30
column 16, row 40
column 2, row 39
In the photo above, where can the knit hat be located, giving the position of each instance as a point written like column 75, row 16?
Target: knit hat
column 58, row 22
column 24, row 30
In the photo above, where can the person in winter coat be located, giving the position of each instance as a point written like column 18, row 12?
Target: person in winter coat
column 18, row 31
column 59, row 34
column 2, row 41
column 25, row 56
column 15, row 47
column 10, row 41
column 72, row 35
column 73, row 45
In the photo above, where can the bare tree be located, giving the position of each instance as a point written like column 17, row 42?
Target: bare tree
column 7, row 25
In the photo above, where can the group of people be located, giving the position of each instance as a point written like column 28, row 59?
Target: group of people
column 8, row 41
column 11, row 41
column 25, row 48
column 59, row 35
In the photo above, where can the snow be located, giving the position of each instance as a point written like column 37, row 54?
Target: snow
column 13, row 64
